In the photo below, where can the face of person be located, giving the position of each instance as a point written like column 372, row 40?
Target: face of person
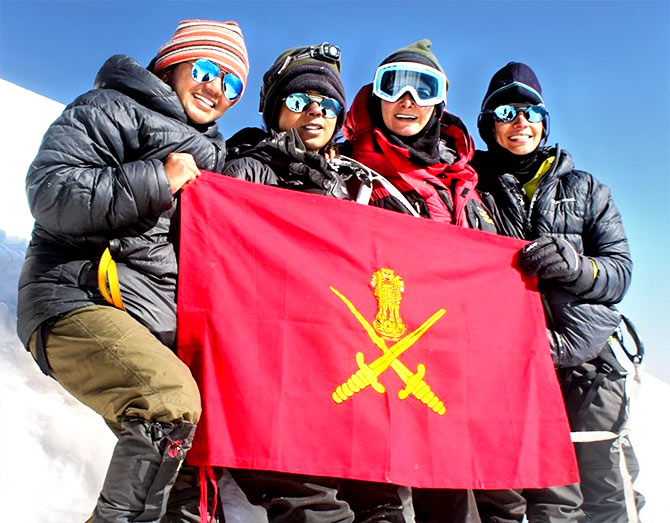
column 404, row 117
column 518, row 136
column 202, row 102
column 314, row 129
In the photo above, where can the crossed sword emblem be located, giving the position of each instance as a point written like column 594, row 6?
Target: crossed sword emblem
column 367, row 374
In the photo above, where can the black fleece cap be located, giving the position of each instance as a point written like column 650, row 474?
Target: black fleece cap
column 514, row 83
column 307, row 74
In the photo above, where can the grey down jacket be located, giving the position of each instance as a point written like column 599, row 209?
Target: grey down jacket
column 98, row 181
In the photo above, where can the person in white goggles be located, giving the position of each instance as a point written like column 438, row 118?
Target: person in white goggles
column 399, row 128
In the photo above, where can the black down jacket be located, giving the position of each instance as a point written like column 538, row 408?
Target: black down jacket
column 98, row 181
column 280, row 159
column 574, row 205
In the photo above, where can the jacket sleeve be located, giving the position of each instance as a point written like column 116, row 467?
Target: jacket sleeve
column 80, row 182
column 605, row 242
column 578, row 330
column 251, row 170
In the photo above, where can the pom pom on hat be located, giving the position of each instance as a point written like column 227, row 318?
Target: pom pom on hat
column 220, row 42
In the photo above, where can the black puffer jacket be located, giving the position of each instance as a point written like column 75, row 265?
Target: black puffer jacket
column 574, row 205
column 98, row 181
column 280, row 159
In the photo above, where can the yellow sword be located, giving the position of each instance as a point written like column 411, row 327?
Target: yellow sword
column 367, row 374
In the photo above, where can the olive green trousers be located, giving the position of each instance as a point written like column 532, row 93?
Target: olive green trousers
column 114, row 365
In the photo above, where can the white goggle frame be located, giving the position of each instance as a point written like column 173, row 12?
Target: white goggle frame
column 412, row 67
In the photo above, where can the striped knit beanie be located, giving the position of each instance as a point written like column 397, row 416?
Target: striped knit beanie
column 220, row 42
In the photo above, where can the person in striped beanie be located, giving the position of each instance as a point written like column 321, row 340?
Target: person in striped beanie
column 199, row 52
column 99, row 284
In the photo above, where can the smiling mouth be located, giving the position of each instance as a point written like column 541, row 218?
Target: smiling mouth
column 204, row 100
column 404, row 117
column 520, row 137
column 312, row 127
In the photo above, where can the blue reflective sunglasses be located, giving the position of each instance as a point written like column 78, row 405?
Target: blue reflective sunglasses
column 205, row 71
column 533, row 113
column 300, row 102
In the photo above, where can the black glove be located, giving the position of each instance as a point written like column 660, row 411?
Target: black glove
column 289, row 143
column 316, row 176
column 553, row 258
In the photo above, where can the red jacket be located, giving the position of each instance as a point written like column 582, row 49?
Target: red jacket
column 455, row 182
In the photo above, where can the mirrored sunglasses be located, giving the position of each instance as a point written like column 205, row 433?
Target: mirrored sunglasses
column 205, row 71
column 427, row 85
column 533, row 113
column 300, row 102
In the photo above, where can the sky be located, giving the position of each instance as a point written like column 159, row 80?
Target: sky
column 604, row 67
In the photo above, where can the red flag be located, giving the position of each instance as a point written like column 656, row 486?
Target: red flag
column 438, row 375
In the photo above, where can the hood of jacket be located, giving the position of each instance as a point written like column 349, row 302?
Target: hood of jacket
column 125, row 75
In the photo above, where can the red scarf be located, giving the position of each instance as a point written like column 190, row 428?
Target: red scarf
column 371, row 147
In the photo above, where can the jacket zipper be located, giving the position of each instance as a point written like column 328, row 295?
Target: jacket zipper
column 543, row 181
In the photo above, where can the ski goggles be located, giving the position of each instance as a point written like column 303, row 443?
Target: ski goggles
column 533, row 113
column 300, row 102
column 205, row 71
column 427, row 85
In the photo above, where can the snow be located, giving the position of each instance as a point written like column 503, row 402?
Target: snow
column 19, row 142
column 54, row 451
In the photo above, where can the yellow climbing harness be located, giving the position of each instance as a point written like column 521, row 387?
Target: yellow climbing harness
column 108, row 280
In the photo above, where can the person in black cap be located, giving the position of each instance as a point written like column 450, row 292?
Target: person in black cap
column 579, row 252
column 302, row 102
column 398, row 127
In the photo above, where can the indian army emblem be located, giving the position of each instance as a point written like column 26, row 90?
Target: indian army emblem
column 389, row 326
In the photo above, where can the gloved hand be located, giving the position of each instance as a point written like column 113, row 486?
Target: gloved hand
column 553, row 258
column 316, row 176
column 289, row 143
